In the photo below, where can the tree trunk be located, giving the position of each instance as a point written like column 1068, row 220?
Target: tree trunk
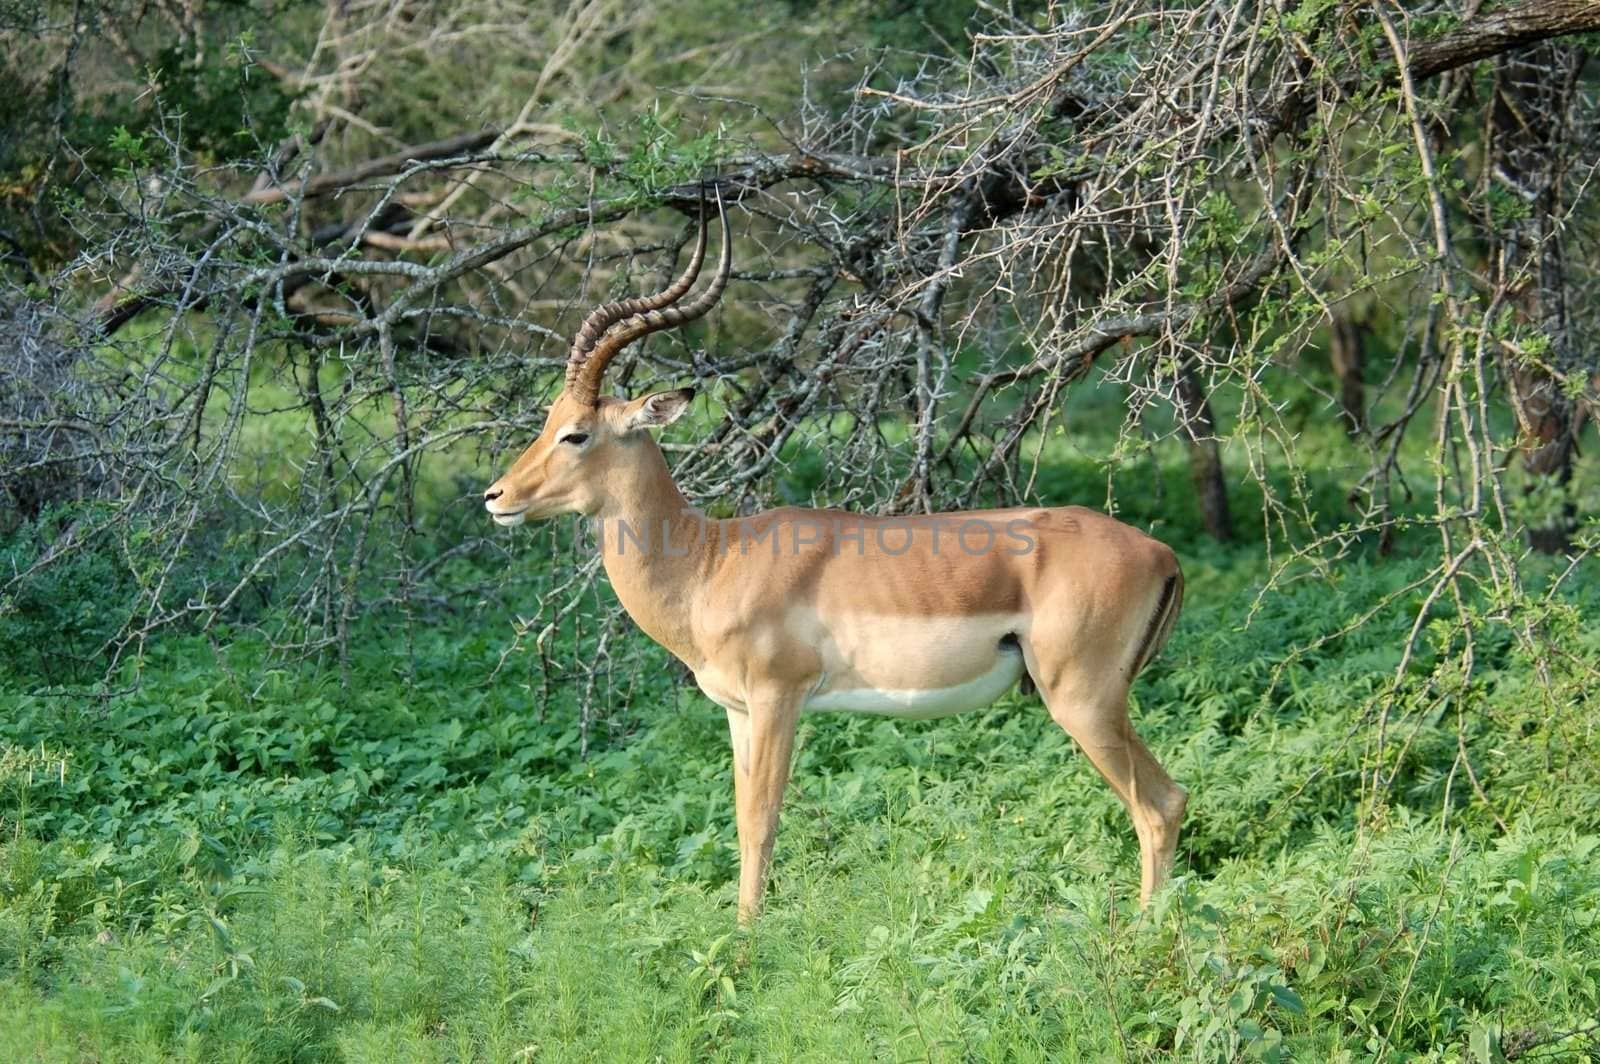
column 1346, row 353
column 1530, row 141
column 1205, row 456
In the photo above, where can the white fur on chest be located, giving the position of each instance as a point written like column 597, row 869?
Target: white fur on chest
column 925, row 703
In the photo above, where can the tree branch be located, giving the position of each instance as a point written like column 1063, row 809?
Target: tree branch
column 323, row 184
column 1500, row 31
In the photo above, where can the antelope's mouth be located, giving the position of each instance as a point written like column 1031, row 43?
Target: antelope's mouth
column 509, row 518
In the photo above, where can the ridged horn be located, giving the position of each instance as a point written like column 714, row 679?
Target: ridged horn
column 616, row 325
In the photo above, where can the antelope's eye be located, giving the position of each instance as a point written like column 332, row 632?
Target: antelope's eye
column 575, row 438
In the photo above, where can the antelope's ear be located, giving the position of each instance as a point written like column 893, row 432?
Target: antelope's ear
column 655, row 410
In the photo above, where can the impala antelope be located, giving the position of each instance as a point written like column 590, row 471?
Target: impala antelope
column 848, row 611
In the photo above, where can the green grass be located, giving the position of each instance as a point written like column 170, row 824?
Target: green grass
column 243, row 861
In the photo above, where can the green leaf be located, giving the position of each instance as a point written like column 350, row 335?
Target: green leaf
column 1287, row 999
column 1484, row 1042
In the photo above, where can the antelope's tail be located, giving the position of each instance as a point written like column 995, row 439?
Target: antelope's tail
column 1161, row 622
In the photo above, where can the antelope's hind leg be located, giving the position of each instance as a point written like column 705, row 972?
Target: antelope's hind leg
column 1098, row 722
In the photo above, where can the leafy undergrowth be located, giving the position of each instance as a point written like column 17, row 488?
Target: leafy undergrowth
column 237, row 862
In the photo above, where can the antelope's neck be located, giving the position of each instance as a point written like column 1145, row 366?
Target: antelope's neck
column 654, row 547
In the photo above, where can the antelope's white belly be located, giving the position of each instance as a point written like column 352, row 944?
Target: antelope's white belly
column 923, row 703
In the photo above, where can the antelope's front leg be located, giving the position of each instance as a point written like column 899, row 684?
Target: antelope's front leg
column 763, row 745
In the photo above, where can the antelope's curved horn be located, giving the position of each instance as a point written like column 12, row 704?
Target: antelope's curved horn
column 585, row 367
